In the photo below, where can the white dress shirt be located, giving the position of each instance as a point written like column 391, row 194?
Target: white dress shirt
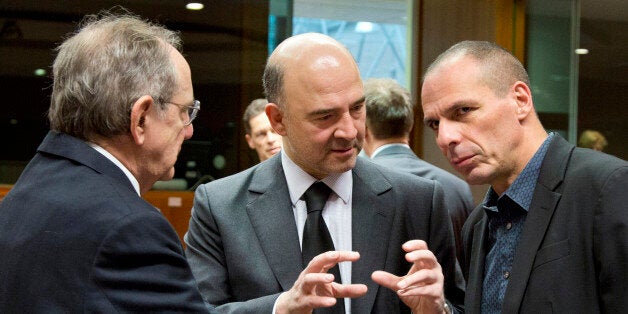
column 336, row 213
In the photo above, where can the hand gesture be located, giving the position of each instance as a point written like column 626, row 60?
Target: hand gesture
column 422, row 288
column 316, row 288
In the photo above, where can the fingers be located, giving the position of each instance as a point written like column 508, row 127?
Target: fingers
column 316, row 288
column 425, row 276
column 414, row 245
column 422, row 259
column 325, row 261
column 349, row 291
column 386, row 279
column 416, row 282
column 313, row 281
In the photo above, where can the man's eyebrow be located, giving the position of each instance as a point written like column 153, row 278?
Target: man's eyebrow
column 359, row 101
column 321, row 112
column 428, row 120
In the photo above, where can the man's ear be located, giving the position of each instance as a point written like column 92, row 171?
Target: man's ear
column 523, row 97
column 249, row 140
column 140, row 118
column 275, row 116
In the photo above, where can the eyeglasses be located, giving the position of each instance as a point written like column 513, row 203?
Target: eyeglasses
column 192, row 110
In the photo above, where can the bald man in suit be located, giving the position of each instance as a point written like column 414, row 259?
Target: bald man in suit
column 391, row 234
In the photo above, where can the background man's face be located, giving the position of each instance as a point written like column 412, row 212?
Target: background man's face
column 263, row 138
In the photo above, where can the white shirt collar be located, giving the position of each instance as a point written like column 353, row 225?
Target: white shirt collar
column 299, row 181
column 381, row 148
column 134, row 182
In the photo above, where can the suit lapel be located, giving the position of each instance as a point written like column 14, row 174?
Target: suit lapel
column 371, row 222
column 473, row 297
column 269, row 207
column 541, row 210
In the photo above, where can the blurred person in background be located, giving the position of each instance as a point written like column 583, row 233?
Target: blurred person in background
column 259, row 134
column 592, row 139
column 389, row 120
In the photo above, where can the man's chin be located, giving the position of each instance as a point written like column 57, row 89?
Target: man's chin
column 168, row 175
column 345, row 165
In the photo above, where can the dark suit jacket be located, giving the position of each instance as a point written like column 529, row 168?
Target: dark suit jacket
column 243, row 244
column 75, row 237
column 572, row 255
column 458, row 198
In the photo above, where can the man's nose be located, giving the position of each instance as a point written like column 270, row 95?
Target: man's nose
column 448, row 134
column 189, row 131
column 346, row 127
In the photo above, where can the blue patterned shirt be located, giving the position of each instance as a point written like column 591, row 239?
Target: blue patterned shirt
column 506, row 216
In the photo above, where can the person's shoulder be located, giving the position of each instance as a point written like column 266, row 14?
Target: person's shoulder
column 588, row 156
column 373, row 171
column 593, row 164
column 265, row 172
column 421, row 168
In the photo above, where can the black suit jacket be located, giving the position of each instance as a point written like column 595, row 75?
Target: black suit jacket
column 458, row 197
column 75, row 237
column 572, row 255
column 244, row 250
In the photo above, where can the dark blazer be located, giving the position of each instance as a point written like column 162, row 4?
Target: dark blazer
column 76, row 238
column 458, row 198
column 572, row 255
column 243, row 244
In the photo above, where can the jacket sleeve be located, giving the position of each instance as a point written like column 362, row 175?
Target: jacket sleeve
column 442, row 244
column 140, row 267
column 611, row 241
column 205, row 253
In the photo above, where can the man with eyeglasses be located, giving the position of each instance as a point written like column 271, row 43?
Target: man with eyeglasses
column 75, row 235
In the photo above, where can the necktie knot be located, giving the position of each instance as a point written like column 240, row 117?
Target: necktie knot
column 316, row 196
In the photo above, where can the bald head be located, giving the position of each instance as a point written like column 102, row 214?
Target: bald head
column 499, row 68
column 303, row 54
column 316, row 103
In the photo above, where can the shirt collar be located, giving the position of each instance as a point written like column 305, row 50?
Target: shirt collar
column 115, row 161
column 299, row 181
column 379, row 149
column 521, row 190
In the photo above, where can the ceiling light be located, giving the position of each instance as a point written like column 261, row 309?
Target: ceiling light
column 582, row 51
column 194, row 6
column 40, row 72
column 364, row 27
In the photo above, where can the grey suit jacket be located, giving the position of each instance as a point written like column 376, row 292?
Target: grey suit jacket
column 458, row 198
column 572, row 255
column 244, row 250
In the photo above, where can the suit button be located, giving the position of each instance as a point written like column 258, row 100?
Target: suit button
column 509, row 226
column 506, row 274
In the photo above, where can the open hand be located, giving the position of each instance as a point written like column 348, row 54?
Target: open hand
column 421, row 288
column 316, row 288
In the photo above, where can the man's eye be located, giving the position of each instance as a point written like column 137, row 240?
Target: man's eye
column 324, row 118
column 433, row 125
column 464, row 110
column 357, row 107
